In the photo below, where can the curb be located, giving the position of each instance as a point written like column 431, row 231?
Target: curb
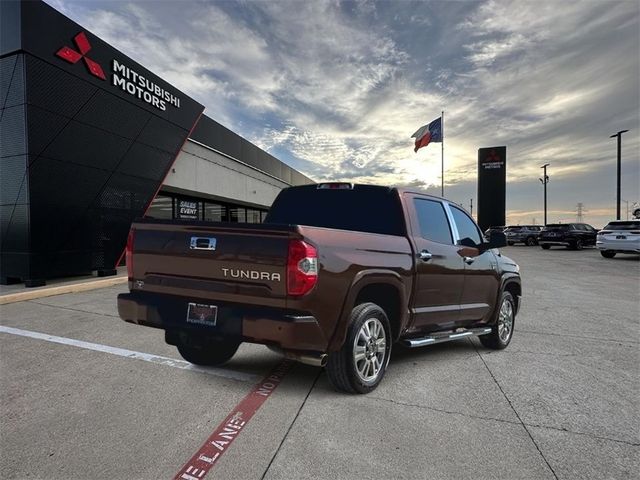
column 62, row 289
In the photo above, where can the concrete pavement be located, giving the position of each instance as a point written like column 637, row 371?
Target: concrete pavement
column 559, row 402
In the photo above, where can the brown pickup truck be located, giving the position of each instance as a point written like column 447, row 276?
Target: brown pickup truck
column 335, row 275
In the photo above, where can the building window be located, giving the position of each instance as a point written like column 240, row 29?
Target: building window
column 161, row 207
column 253, row 216
column 237, row 214
column 214, row 212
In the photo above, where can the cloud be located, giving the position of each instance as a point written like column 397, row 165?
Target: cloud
column 336, row 88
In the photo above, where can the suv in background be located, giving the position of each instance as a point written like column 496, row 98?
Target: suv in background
column 571, row 235
column 527, row 234
column 496, row 229
column 619, row 236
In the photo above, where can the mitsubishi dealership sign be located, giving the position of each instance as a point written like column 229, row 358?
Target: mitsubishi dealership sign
column 122, row 76
column 137, row 85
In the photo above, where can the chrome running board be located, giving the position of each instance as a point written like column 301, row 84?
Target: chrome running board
column 445, row 337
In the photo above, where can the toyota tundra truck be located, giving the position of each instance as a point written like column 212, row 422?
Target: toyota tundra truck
column 335, row 276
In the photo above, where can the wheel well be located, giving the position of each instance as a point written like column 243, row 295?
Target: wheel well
column 514, row 289
column 386, row 297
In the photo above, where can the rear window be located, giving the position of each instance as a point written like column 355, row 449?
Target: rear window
column 563, row 226
column 630, row 225
column 366, row 208
column 513, row 229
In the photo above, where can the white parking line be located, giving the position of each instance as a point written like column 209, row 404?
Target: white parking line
column 121, row 352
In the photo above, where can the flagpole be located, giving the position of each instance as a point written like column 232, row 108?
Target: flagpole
column 442, row 145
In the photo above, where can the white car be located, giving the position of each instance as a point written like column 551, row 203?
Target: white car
column 619, row 236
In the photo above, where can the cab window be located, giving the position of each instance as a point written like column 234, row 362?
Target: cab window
column 433, row 221
column 466, row 227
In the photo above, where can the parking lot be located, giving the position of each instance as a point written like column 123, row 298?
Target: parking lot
column 89, row 396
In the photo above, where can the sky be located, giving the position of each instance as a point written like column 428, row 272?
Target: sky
column 336, row 89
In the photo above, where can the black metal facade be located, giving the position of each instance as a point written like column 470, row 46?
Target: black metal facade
column 80, row 156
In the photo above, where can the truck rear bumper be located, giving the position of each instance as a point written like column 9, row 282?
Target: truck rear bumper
column 286, row 330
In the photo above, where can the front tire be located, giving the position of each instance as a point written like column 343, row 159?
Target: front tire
column 359, row 366
column 531, row 241
column 545, row 247
column 607, row 253
column 502, row 331
column 207, row 353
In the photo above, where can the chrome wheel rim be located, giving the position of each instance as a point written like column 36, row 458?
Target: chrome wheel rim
column 505, row 320
column 369, row 349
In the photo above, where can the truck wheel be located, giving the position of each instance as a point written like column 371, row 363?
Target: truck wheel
column 530, row 241
column 207, row 353
column 607, row 253
column 502, row 331
column 358, row 367
column 545, row 246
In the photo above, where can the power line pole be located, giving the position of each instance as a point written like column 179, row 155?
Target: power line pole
column 471, row 205
column 627, row 202
column 580, row 211
column 619, row 135
column 545, row 180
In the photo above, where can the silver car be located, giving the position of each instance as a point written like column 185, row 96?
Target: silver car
column 619, row 236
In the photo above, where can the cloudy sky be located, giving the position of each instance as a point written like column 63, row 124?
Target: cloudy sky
column 335, row 89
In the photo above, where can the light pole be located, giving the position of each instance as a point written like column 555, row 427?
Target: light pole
column 544, row 180
column 619, row 135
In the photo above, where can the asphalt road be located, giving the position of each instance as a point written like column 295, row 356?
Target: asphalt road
column 98, row 398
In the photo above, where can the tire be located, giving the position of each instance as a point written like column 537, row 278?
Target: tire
column 505, row 319
column 206, row 353
column 607, row 253
column 545, row 247
column 578, row 244
column 351, row 375
column 530, row 242
column 510, row 243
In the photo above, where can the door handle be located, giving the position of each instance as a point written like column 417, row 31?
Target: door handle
column 468, row 260
column 425, row 255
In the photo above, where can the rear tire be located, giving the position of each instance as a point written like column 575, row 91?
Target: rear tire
column 359, row 366
column 206, row 353
column 530, row 241
column 502, row 331
column 545, row 247
column 510, row 243
column 607, row 253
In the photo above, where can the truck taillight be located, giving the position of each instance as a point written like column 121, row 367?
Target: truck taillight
column 302, row 267
column 128, row 255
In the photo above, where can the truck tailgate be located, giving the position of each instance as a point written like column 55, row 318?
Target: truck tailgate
column 243, row 263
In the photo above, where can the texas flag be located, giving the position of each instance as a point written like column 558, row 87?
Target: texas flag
column 428, row 133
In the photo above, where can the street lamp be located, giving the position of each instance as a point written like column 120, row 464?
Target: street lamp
column 619, row 135
column 544, row 180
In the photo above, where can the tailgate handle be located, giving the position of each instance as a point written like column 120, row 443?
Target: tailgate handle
column 203, row 243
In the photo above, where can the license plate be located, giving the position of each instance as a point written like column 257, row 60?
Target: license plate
column 202, row 314
column 621, row 237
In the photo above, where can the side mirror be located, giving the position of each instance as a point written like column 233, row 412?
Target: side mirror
column 496, row 240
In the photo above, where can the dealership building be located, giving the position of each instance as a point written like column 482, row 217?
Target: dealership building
column 91, row 140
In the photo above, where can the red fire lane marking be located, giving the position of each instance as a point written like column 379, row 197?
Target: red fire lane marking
column 224, row 435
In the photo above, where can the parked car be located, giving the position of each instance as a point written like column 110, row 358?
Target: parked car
column 571, row 235
column 490, row 230
column 336, row 275
column 527, row 234
column 619, row 236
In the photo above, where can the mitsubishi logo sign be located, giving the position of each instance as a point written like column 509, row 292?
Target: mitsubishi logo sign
column 72, row 56
column 123, row 76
